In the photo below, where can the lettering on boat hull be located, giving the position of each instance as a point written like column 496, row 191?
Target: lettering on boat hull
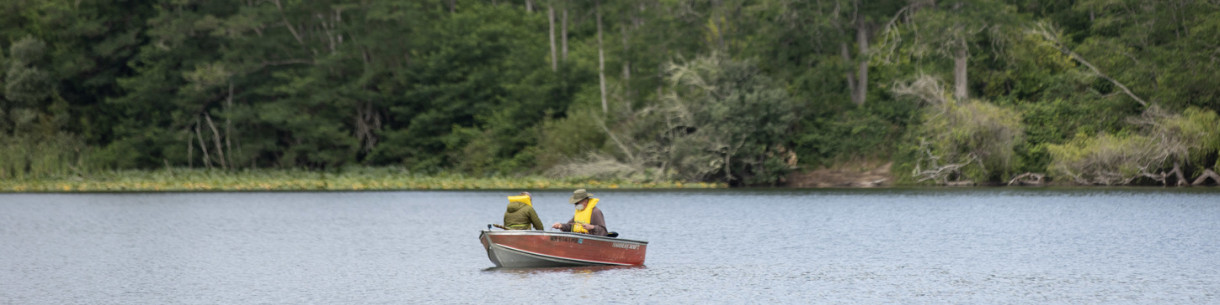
column 625, row 246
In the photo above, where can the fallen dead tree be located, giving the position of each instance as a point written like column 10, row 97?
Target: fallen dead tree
column 961, row 141
column 1159, row 149
column 928, row 168
column 1028, row 179
column 1207, row 174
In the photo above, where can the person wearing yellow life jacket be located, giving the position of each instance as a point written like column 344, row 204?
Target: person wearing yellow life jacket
column 520, row 214
column 588, row 218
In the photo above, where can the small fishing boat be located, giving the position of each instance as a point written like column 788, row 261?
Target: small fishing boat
column 528, row 248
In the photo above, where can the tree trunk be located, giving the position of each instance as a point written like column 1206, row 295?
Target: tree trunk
column 452, row 6
column 1158, row 177
column 959, row 73
column 292, row 29
column 857, row 83
column 1177, row 171
column 229, row 125
column 601, row 57
column 529, row 8
column 190, row 151
column 861, row 92
column 1050, row 36
column 367, row 122
column 627, row 93
column 728, row 170
column 550, row 17
column 1028, row 179
column 626, row 61
column 717, row 19
column 960, row 183
column 851, row 77
column 1207, row 173
column 621, row 146
column 220, row 150
column 207, row 161
column 565, row 31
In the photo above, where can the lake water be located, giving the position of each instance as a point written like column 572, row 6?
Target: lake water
column 974, row 246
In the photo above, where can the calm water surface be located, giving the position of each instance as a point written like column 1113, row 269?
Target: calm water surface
column 982, row 246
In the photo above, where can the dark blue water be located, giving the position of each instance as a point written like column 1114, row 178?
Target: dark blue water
column 978, row 246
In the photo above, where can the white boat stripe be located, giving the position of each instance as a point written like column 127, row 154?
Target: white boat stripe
column 557, row 257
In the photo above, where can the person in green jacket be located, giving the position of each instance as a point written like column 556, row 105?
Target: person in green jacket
column 520, row 214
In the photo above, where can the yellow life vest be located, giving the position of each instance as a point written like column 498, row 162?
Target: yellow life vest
column 583, row 217
column 520, row 198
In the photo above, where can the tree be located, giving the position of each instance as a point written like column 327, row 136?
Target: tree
column 550, row 17
column 950, row 28
column 601, row 57
column 33, row 116
column 27, row 81
column 1159, row 49
column 728, row 110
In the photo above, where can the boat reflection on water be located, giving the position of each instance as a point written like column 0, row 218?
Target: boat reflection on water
column 541, row 249
column 572, row 270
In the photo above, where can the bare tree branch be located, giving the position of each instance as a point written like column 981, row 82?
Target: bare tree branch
column 630, row 157
column 1046, row 32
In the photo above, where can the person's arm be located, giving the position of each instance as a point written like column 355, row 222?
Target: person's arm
column 598, row 221
column 567, row 226
column 535, row 220
column 505, row 223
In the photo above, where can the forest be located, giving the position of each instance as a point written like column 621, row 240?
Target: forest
column 737, row 92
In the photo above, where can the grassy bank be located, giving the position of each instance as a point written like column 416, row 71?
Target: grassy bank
column 362, row 179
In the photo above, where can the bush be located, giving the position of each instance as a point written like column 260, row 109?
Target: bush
column 850, row 135
column 960, row 140
column 1105, row 159
column 567, row 138
column 1157, row 142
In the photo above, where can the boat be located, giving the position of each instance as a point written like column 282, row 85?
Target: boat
column 534, row 249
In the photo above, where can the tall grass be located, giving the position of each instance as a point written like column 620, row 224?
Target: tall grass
column 25, row 157
column 352, row 179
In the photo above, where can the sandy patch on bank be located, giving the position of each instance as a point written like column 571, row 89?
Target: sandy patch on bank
column 854, row 174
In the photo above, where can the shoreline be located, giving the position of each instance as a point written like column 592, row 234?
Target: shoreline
column 364, row 179
column 397, row 179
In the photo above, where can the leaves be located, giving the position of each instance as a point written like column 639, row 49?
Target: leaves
column 470, row 89
column 961, row 140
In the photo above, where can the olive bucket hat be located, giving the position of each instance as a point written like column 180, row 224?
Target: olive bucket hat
column 578, row 195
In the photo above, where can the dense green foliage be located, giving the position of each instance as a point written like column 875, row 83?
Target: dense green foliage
column 345, row 179
column 728, row 91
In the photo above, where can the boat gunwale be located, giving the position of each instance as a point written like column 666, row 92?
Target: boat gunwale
column 578, row 235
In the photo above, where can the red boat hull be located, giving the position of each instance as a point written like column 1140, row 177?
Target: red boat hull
column 525, row 248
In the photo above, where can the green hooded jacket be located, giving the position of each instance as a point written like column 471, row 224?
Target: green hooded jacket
column 520, row 216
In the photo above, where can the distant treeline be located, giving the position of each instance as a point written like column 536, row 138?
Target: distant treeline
column 723, row 91
column 348, row 179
